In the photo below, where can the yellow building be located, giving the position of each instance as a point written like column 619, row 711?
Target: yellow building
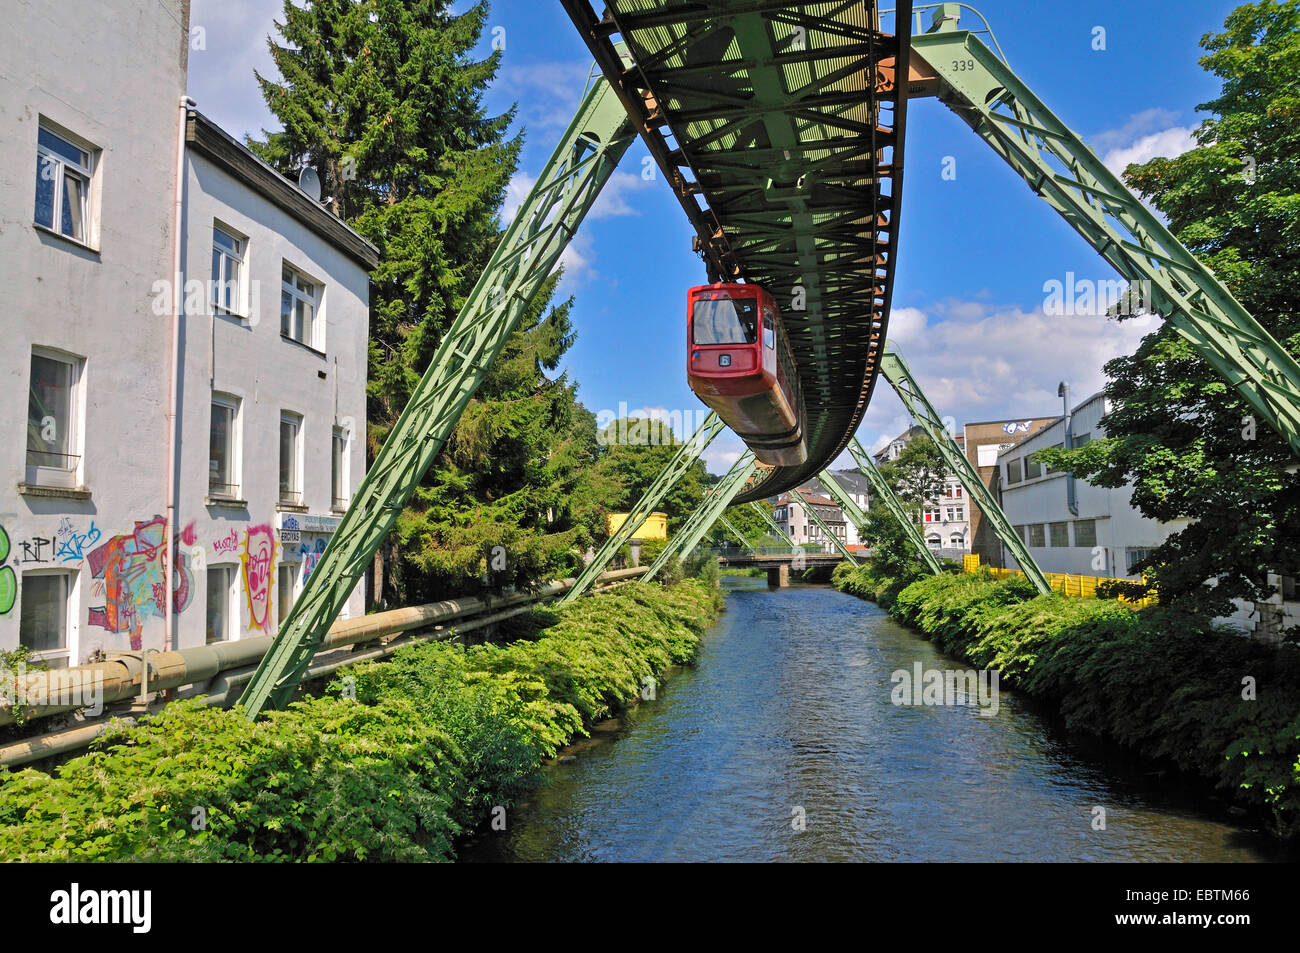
column 655, row 526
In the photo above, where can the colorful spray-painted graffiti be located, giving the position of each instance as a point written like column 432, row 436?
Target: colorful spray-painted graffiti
column 133, row 569
column 258, row 557
column 8, row 579
column 71, row 546
column 310, row 557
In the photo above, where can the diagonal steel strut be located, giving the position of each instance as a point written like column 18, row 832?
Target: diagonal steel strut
column 715, row 501
column 885, row 495
column 595, row 140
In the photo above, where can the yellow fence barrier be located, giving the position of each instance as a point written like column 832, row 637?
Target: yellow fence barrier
column 1068, row 584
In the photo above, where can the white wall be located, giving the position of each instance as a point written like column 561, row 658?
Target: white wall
column 249, row 359
column 112, row 74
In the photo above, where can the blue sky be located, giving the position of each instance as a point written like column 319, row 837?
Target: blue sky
column 975, row 250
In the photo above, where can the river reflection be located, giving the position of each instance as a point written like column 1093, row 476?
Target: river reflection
column 786, row 719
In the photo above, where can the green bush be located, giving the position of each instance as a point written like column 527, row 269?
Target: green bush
column 1164, row 684
column 437, row 736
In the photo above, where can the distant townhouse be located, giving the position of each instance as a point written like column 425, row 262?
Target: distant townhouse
column 171, row 465
column 791, row 513
column 945, row 518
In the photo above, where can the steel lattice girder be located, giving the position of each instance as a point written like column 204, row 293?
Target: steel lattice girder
column 730, row 527
column 762, row 510
column 811, row 509
column 715, row 502
column 786, row 120
column 885, row 495
column 918, row 405
column 595, row 140
column 1064, row 172
column 852, row 512
column 686, row 457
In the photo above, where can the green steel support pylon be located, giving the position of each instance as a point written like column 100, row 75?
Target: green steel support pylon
column 730, row 527
column 918, row 405
column 764, row 512
column 1065, row 173
column 885, row 495
column 852, row 512
column 840, row 544
column 713, row 505
column 565, row 190
column 685, row 458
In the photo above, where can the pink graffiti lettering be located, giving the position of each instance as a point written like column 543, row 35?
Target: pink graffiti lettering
column 258, row 558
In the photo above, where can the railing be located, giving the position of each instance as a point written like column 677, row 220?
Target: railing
column 1067, row 584
column 225, row 491
column 52, row 461
column 290, row 497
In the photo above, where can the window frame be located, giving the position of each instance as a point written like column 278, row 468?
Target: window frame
column 234, row 404
column 293, row 495
column 340, row 470
column 229, row 617
column 85, row 171
column 240, row 305
column 1063, row 526
column 314, row 336
column 294, row 569
column 1092, row 524
column 1019, row 471
column 67, row 477
column 1037, row 535
column 1032, row 461
column 63, row 652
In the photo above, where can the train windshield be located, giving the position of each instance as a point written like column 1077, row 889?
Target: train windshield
column 725, row 321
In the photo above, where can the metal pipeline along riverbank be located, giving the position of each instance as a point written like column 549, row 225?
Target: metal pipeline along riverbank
column 221, row 670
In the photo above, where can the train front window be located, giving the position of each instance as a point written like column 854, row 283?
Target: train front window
column 725, row 321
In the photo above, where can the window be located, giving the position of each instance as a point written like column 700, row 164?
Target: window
column 957, row 540
column 228, row 271
column 1288, row 588
column 339, row 470
column 63, row 172
column 934, row 542
column 1036, row 535
column 52, row 420
column 1085, row 533
column 220, row 582
column 1033, row 468
column 1014, row 473
column 43, row 622
column 1055, row 446
column 1082, row 440
column 223, row 443
column 1134, row 556
column 286, row 577
column 298, row 308
column 290, row 453
column 1060, row 534
column 725, row 321
column 952, row 514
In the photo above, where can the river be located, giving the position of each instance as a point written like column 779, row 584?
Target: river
column 782, row 744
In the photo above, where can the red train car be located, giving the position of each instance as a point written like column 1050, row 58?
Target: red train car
column 740, row 364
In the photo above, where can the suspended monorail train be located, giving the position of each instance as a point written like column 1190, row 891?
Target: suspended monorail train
column 740, row 364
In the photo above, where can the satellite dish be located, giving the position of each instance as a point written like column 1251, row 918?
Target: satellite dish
column 309, row 182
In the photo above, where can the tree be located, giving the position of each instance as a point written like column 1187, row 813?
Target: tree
column 1178, row 432
column 918, row 475
column 627, row 465
column 383, row 98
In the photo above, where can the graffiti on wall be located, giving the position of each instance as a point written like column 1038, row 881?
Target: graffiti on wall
column 310, row 557
column 133, row 570
column 226, row 545
column 258, row 557
column 71, row 546
column 8, row 579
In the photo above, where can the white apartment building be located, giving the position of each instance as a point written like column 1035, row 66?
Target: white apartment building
column 946, row 518
column 790, row 512
column 1102, row 535
column 118, row 531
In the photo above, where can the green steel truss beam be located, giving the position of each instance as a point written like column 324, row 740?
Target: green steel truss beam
column 840, row 544
column 885, row 495
column 852, row 512
column 685, row 458
column 918, row 405
column 1065, row 173
column 595, row 140
column 713, row 505
column 762, row 510
column 730, row 527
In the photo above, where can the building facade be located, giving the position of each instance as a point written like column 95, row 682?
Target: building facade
column 159, row 446
column 983, row 442
column 945, row 518
column 1101, row 534
column 790, row 512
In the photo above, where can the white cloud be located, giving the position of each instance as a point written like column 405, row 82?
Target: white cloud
column 1142, row 137
column 722, row 453
column 613, row 199
column 555, row 87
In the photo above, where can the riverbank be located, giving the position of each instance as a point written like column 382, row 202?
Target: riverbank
column 1164, row 685
column 445, row 738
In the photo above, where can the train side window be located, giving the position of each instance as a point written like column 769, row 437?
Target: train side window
column 769, row 336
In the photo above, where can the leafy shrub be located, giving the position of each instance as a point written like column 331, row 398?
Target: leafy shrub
column 438, row 735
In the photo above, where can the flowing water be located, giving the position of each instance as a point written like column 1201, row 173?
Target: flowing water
column 783, row 743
